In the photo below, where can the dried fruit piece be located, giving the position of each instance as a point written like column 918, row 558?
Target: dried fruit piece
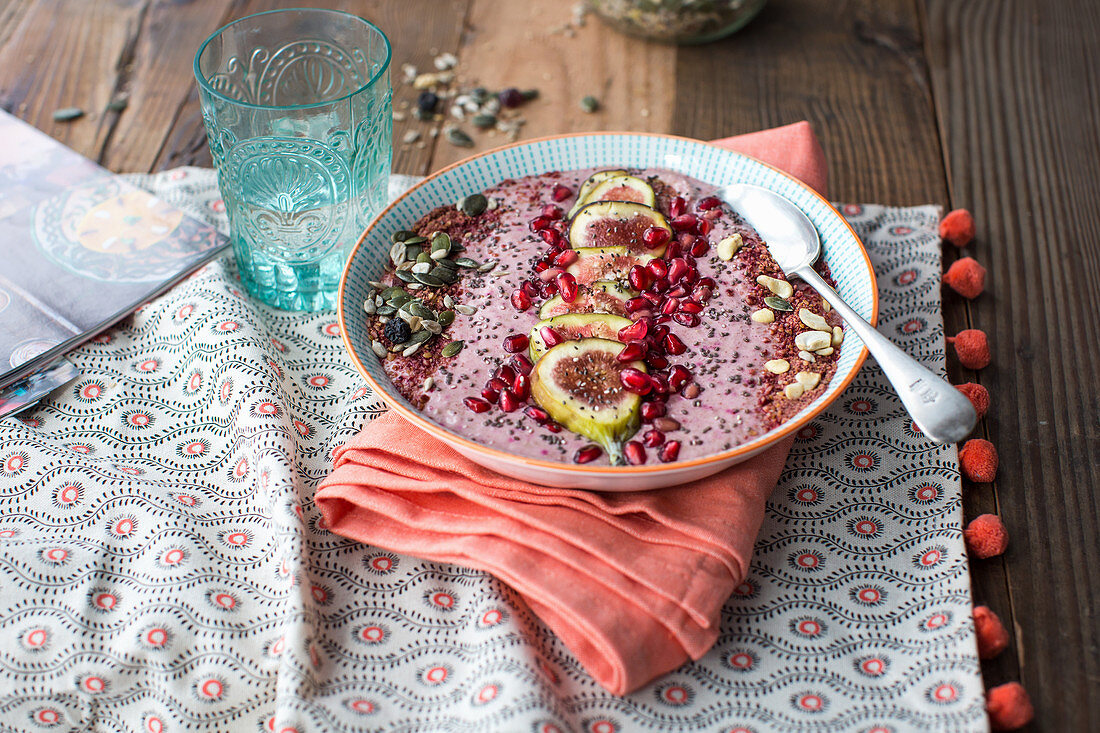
column 958, row 227
column 986, row 536
column 966, row 277
column 1009, row 706
column 972, row 347
column 978, row 460
column 992, row 636
column 573, row 326
column 978, row 396
column 578, row 383
column 616, row 224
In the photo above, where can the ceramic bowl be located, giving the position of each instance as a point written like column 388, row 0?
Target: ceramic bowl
column 843, row 251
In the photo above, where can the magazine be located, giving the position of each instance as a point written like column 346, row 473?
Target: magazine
column 80, row 249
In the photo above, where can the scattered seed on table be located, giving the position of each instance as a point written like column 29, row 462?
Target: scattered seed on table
column 458, row 138
column 590, row 104
column 67, row 114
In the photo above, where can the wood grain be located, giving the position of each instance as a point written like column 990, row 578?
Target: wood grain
column 854, row 71
column 1017, row 89
column 514, row 45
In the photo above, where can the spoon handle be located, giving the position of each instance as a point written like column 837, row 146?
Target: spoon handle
column 942, row 413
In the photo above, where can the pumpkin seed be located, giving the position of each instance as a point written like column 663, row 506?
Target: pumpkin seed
column 484, row 120
column 398, row 253
column 369, row 307
column 446, row 318
column 458, row 138
column 423, row 259
column 421, row 268
column 376, row 285
column 452, row 348
column 386, row 310
column 118, row 104
column 448, row 276
column 421, row 336
column 441, row 242
column 774, row 301
column 419, row 309
column 67, row 114
column 429, row 280
column 485, row 267
column 473, row 205
column 466, row 310
column 415, row 286
column 399, row 300
column 378, row 349
column 447, row 265
column 448, row 301
column 439, row 254
column 391, row 291
column 590, row 104
column 432, row 326
column 401, row 235
column 416, row 240
column 411, row 350
column 467, row 262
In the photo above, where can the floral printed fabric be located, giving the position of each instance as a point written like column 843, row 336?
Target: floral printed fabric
column 162, row 567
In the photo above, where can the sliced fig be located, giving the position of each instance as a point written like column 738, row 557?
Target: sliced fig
column 575, row 326
column 602, row 296
column 591, row 182
column 622, row 188
column 618, row 224
column 604, row 263
column 578, row 383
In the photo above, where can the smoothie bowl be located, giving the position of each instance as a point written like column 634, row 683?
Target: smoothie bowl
column 579, row 311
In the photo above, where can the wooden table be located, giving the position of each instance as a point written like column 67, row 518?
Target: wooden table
column 993, row 105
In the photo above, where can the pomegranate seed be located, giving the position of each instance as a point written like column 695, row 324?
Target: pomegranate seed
column 652, row 410
column 647, row 313
column 662, row 319
column 553, row 427
column 658, row 268
column 707, row 203
column 640, row 277
column 561, row 193
column 541, row 266
column 674, row 345
column 684, row 222
column 657, row 361
column 506, row 373
column 661, row 331
column 652, row 296
column 686, row 242
column 701, row 293
column 707, row 282
column 548, row 289
column 635, row 380
column 677, row 206
column 497, row 384
column 670, row 306
column 549, row 336
column 636, row 330
column 678, row 376
column 521, row 364
column 700, row 248
column 551, row 212
column 703, row 227
column 689, row 306
column 490, row 394
column 690, row 276
column 660, row 386
column 515, row 342
column 670, row 452
column 521, row 386
column 686, row 319
column 549, row 274
column 636, row 304
column 690, row 260
column 476, row 404
column 587, row 454
column 508, row 402
column 655, row 236
column 567, row 286
column 634, row 452
column 550, row 236
column 537, row 414
column 676, row 269
column 673, row 250
column 660, row 285
column 539, row 223
column 521, row 301
column 653, row 438
column 565, row 258
column 530, row 287
column 633, row 351
column 676, row 292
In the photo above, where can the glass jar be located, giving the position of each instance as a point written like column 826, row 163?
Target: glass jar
column 677, row 21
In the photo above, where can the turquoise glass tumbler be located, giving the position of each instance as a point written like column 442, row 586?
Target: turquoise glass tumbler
column 298, row 110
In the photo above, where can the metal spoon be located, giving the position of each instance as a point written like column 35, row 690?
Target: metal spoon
column 942, row 413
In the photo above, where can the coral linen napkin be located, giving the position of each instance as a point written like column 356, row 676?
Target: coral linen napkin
column 632, row 583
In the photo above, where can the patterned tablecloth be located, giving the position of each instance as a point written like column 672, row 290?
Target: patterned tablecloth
column 162, row 567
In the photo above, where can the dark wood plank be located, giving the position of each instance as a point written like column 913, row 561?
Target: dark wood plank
column 415, row 28
column 1017, row 87
column 855, row 72
column 68, row 54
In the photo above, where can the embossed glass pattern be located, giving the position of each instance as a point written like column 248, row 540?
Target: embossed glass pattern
column 298, row 112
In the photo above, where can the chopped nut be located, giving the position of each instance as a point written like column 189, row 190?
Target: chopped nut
column 813, row 320
column 827, row 351
column 793, row 391
column 812, row 340
column 777, row 366
column 782, row 288
column 429, row 383
column 764, row 315
column 825, row 307
column 838, row 336
column 808, row 380
column 806, row 356
column 729, row 246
